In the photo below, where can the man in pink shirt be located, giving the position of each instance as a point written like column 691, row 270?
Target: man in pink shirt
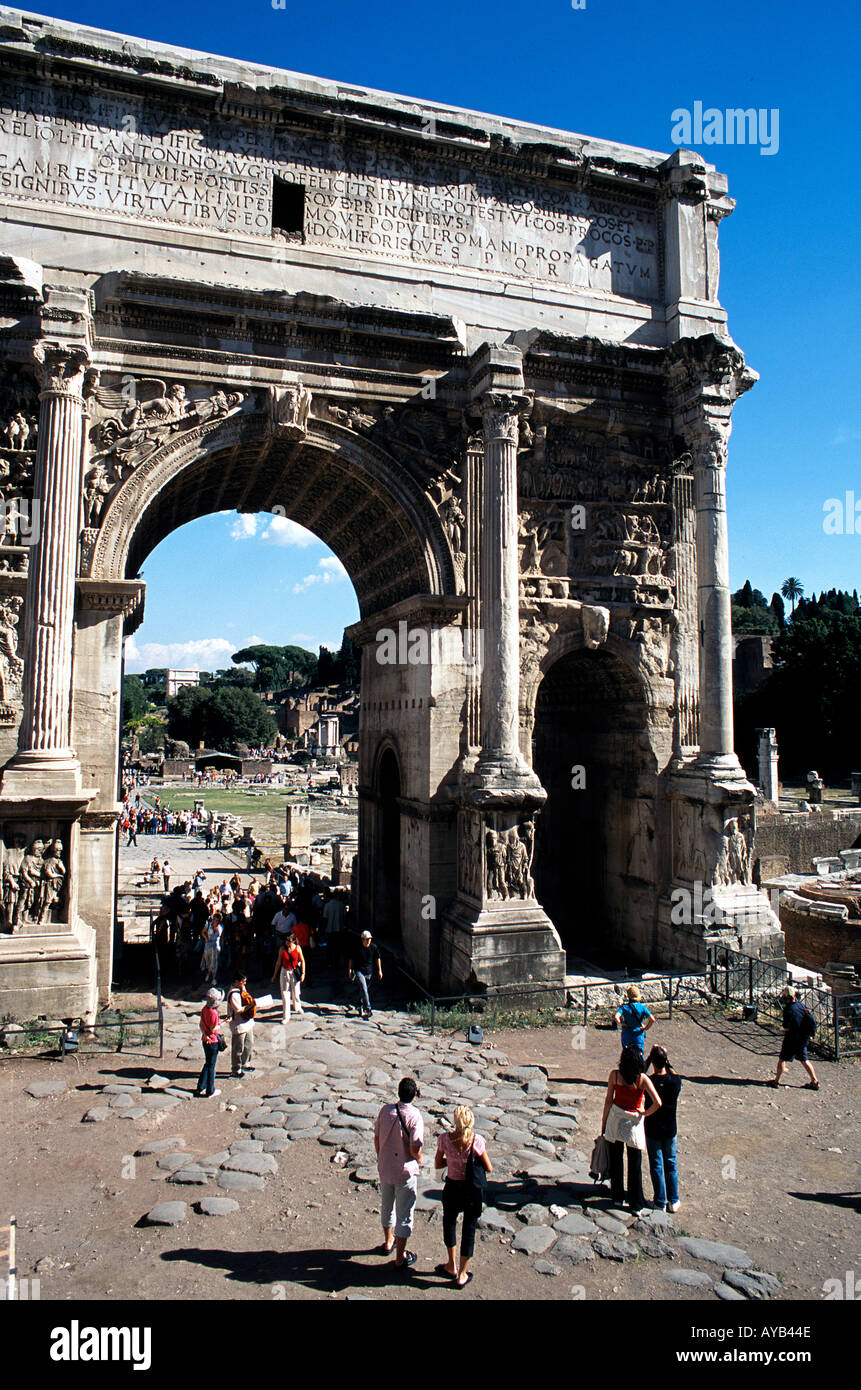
column 398, row 1139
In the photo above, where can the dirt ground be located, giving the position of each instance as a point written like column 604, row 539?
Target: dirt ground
column 777, row 1173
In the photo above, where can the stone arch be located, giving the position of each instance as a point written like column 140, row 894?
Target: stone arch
column 365, row 506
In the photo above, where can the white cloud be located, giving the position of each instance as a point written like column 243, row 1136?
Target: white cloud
column 271, row 530
column 243, row 526
column 204, row 654
column 282, row 531
column 328, row 571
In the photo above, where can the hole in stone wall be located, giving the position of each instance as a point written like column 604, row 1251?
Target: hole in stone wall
column 288, row 207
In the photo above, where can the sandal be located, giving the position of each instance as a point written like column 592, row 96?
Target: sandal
column 459, row 1285
column 444, row 1269
column 812, row 1086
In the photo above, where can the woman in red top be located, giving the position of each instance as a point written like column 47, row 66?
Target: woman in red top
column 210, row 1032
column 628, row 1090
column 291, row 963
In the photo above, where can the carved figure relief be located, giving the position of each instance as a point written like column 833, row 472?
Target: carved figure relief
column 640, row 858
column 17, row 431
column 291, row 406
column 470, row 855
column 353, row 418
column 34, row 881
column 544, row 550
column 11, row 665
column 733, row 864
column 509, row 861
column 127, row 434
column 454, row 522
column 648, row 633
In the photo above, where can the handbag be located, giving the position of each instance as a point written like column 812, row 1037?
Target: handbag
column 599, row 1163
column 475, row 1174
column 222, row 1043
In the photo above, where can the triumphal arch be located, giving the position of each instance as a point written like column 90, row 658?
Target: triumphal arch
column 484, row 362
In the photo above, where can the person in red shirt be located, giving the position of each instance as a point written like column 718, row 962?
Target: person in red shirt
column 210, row 1032
column 625, row 1109
column 291, row 964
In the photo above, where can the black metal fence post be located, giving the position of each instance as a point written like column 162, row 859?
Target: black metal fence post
column 835, row 1010
column 585, row 1004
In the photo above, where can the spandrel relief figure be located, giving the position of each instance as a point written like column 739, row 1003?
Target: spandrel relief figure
column 157, row 411
column 454, row 522
column 53, row 879
column 17, row 432
column 98, row 484
column 11, row 665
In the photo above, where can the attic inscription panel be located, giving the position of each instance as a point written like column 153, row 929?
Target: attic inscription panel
column 142, row 160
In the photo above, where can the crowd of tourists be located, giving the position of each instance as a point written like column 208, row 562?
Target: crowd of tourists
column 216, row 928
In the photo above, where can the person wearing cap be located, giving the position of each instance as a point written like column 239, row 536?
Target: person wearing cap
column 634, row 1018
column 363, row 969
column 210, row 1032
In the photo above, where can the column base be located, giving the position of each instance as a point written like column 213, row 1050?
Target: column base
column 738, row 915
column 49, row 974
column 498, row 782
column 500, row 946
column 33, row 773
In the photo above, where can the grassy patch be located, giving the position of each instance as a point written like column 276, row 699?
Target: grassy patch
column 492, row 1017
column 229, row 803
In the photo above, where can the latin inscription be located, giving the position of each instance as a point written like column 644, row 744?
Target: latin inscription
column 138, row 160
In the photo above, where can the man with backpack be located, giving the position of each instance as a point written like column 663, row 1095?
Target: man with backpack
column 800, row 1027
column 241, row 1009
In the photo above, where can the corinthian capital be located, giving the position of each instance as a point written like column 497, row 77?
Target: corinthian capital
column 501, row 413
column 709, row 439
column 61, row 368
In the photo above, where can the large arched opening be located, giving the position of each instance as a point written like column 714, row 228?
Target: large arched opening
column 372, row 512
column 594, row 847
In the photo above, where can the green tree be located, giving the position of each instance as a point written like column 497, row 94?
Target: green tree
column 219, row 716
column 135, row 703
column 239, row 716
column 811, row 696
column 277, row 667
column 792, row 589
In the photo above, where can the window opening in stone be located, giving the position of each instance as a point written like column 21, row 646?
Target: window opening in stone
column 288, row 208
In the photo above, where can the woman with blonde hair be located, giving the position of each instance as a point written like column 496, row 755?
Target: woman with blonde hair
column 464, row 1154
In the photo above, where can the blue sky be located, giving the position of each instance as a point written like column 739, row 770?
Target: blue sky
column 615, row 69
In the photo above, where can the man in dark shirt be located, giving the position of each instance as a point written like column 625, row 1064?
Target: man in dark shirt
column 362, row 968
column 661, row 1132
column 800, row 1028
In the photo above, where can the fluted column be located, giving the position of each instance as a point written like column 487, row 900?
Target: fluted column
column 685, row 637
column 500, row 592
column 45, row 761
column 715, row 610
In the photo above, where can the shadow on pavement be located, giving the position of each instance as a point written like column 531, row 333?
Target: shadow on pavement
column 328, row 1271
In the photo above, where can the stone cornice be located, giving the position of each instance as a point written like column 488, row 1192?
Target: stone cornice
column 230, row 88
column 422, row 610
column 123, row 596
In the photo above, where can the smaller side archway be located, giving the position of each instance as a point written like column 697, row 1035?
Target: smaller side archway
column 595, row 865
column 385, row 865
